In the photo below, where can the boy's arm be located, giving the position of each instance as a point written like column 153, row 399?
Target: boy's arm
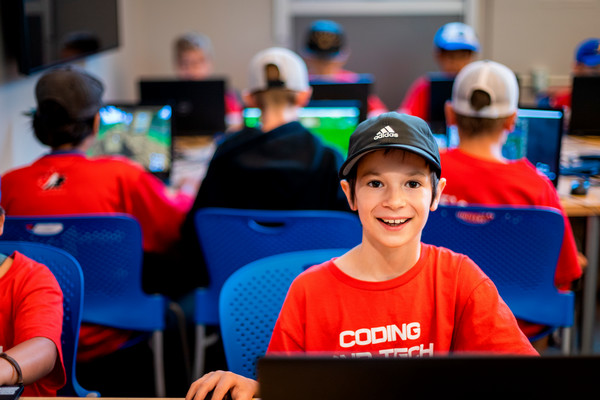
column 36, row 358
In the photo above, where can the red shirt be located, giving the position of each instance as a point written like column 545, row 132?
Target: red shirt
column 443, row 304
column 31, row 306
column 471, row 180
column 416, row 100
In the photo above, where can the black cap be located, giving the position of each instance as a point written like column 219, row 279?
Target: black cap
column 78, row 92
column 392, row 130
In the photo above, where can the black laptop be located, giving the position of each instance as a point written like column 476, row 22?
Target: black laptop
column 440, row 92
column 358, row 91
column 198, row 106
column 585, row 106
column 12, row 392
column 302, row 378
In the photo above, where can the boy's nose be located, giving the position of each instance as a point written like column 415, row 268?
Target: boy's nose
column 396, row 198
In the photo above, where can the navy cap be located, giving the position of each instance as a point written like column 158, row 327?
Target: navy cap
column 392, row 130
column 588, row 52
column 325, row 39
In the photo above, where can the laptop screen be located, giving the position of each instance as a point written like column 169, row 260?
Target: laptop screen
column 440, row 92
column 537, row 136
column 585, row 106
column 324, row 89
column 332, row 121
column 141, row 133
column 198, row 106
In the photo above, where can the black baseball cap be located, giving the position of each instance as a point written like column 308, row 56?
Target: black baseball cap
column 78, row 92
column 392, row 130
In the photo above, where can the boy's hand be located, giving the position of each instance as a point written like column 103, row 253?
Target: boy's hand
column 218, row 383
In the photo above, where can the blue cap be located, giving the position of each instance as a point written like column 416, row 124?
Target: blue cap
column 456, row 36
column 325, row 38
column 588, row 52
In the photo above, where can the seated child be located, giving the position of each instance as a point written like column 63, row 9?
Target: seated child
column 443, row 300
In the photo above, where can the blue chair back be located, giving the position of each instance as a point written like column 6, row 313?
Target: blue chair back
column 109, row 250
column 251, row 299
column 68, row 274
column 517, row 247
column 231, row 238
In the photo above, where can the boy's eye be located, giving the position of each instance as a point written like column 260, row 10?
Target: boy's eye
column 413, row 184
column 375, row 184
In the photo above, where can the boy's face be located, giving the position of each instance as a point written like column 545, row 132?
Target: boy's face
column 194, row 64
column 393, row 197
column 451, row 62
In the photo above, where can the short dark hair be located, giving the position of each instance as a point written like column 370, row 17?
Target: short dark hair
column 53, row 126
column 475, row 126
column 351, row 178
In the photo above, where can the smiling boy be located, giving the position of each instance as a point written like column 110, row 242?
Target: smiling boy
column 390, row 296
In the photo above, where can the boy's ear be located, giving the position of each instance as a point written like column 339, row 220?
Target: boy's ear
column 96, row 126
column 248, row 98
column 303, row 97
column 440, row 188
column 346, row 188
column 2, row 215
column 449, row 113
column 509, row 122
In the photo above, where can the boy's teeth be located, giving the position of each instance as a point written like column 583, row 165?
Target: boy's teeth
column 394, row 221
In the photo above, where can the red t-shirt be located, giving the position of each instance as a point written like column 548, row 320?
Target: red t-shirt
column 71, row 183
column 31, row 306
column 443, row 304
column 472, row 180
column 416, row 100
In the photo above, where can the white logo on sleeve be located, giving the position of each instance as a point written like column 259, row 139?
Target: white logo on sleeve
column 385, row 132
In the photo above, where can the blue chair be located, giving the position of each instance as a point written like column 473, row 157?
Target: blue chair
column 68, row 273
column 518, row 248
column 251, row 299
column 109, row 250
column 231, row 238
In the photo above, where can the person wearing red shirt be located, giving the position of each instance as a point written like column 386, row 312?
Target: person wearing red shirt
column 413, row 299
column 67, row 181
column 31, row 316
column 455, row 45
column 325, row 54
column 483, row 108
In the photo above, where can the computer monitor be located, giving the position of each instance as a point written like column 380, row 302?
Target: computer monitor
column 198, row 106
column 333, row 121
column 537, row 136
column 440, row 92
column 142, row 133
column 358, row 90
column 585, row 106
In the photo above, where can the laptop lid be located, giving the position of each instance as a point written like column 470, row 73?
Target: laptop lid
column 585, row 106
column 333, row 121
column 198, row 106
column 142, row 133
column 440, row 92
column 359, row 90
column 302, row 378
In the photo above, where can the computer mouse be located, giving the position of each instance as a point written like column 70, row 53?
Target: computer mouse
column 579, row 187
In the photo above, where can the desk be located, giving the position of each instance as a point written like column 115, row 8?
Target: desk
column 584, row 206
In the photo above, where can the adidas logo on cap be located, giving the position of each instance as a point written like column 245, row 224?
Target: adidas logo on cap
column 385, row 132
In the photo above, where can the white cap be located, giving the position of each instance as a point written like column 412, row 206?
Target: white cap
column 498, row 81
column 293, row 74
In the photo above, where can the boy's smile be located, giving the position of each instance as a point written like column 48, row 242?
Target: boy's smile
column 393, row 197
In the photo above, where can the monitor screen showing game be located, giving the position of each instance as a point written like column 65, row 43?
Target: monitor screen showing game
column 141, row 133
column 332, row 121
column 585, row 106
